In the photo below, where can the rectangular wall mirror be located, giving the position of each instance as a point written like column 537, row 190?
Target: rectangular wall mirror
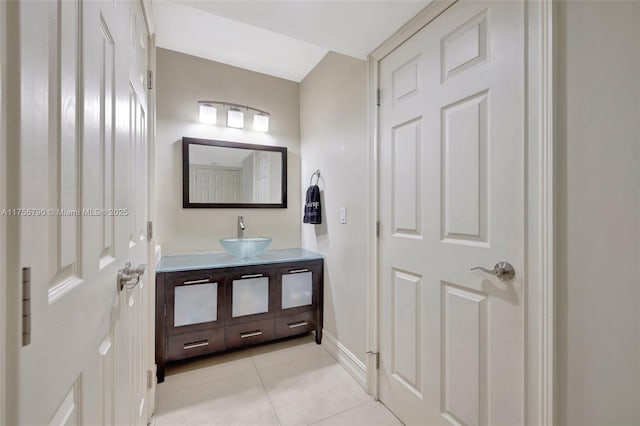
column 221, row 174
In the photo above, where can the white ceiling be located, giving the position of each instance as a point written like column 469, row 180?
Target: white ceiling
column 281, row 38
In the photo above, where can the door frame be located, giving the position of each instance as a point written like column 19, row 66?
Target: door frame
column 10, row 306
column 3, row 219
column 149, row 339
column 538, row 316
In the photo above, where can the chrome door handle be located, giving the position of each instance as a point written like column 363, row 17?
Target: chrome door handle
column 128, row 280
column 129, row 276
column 128, row 269
column 503, row 270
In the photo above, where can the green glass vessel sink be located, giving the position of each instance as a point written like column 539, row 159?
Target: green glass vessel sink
column 245, row 248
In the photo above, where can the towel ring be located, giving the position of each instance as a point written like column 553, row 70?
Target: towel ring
column 317, row 175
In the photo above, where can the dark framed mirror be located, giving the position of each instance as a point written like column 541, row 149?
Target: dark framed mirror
column 222, row 174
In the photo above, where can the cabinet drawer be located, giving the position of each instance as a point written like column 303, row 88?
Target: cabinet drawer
column 249, row 333
column 291, row 325
column 193, row 344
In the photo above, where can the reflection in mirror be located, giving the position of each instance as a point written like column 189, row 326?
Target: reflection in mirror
column 228, row 174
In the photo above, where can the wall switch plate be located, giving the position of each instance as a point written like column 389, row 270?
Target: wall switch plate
column 343, row 215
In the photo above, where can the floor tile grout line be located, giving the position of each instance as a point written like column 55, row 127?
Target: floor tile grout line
column 205, row 383
column 281, row 363
column 254, row 356
column 325, row 352
column 392, row 413
column 266, row 392
column 341, row 412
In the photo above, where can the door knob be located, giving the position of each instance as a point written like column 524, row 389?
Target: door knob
column 129, row 276
column 503, row 270
column 139, row 270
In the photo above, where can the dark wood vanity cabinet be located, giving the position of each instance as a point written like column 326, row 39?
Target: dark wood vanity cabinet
column 204, row 311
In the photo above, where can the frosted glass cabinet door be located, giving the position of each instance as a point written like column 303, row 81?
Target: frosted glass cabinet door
column 195, row 304
column 250, row 296
column 297, row 290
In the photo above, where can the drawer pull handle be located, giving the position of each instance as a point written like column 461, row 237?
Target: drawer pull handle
column 206, row 280
column 250, row 334
column 297, row 271
column 252, row 276
column 194, row 345
column 297, row 324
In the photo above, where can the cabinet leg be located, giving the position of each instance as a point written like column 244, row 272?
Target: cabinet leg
column 318, row 336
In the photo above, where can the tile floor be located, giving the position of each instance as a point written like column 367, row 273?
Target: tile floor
column 294, row 382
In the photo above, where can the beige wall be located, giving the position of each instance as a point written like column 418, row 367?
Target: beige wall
column 182, row 80
column 333, row 124
column 598, row 228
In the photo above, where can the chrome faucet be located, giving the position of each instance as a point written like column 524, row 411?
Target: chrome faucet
column 240, row 227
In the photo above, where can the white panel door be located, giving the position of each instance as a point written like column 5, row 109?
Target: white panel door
column 212, row 184
column 262, row 174
column 83, row 167
column 451, row 198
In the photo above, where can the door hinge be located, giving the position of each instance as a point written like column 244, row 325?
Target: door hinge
column 377, row 355
column 377, row 228
column 149, row 379
column 378, row 97
column 149, row 79
column 26, row 306
column 149, row 230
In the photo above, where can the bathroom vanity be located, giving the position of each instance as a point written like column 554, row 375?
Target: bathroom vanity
column 206, row 303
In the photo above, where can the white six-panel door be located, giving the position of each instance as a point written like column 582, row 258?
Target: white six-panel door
column 213, row 184
column 83, row 162
column 451, row 126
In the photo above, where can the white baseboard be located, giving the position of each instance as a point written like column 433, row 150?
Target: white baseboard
column 347, row 360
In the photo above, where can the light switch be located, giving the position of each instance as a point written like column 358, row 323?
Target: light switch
column 343, row 215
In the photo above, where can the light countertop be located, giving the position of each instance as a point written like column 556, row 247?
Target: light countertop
column 188, row 262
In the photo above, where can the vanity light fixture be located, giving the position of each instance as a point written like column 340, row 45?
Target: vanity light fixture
column 235, row 118
column 235, row 115
column 208, row 114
